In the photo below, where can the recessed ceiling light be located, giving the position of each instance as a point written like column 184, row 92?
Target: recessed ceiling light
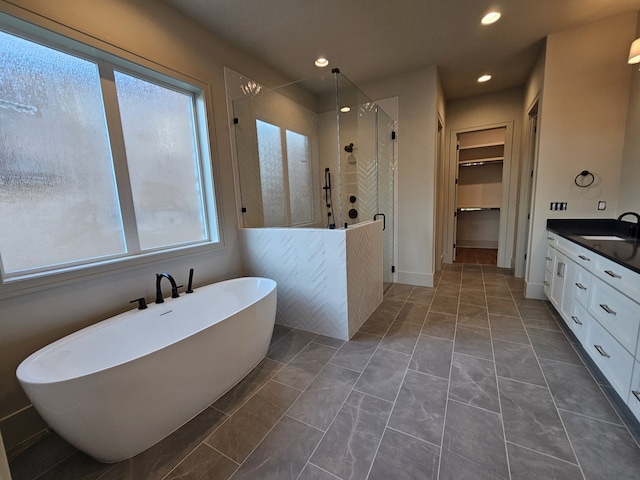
column 484, row 78
column 345, row 109
column 322, row 62
column 491, row 17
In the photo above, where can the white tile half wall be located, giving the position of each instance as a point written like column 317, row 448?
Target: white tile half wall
column 329, row 281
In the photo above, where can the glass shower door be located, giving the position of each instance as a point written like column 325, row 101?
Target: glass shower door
column 385, row 187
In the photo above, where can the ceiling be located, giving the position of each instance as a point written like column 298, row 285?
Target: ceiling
column 374, row 39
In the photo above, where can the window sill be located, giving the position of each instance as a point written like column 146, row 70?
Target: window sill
column 33, row 283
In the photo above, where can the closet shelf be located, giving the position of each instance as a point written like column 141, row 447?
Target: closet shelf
column 477, row 209
column 481, row 145
column 481, row 161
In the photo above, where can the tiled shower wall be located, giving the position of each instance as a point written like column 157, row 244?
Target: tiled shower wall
column 364, row 272
column 329, row 281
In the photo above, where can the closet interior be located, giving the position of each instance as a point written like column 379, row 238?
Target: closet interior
column 479, row 188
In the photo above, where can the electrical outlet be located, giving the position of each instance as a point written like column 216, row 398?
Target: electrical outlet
column 602, row 205
column 558, row 206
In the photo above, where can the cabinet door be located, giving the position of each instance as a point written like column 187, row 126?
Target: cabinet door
column 548, row 279
column 557, row 279
column 568, row 292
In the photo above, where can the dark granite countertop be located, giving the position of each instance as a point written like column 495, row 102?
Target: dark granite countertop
column 624, row 253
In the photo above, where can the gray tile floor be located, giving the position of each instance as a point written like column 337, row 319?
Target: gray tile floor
column 469, row 380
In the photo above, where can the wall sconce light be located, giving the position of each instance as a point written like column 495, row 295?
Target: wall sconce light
column 634, row 52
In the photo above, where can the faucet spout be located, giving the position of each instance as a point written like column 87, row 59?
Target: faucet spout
column 174, row 286
column 637, row 228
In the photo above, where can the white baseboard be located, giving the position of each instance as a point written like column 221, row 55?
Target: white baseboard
column 490, row 244
column 534, row 290
column 413, row 278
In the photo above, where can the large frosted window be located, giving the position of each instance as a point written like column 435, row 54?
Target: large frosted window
column 58, row 199
column 271, row 174
column 300, row 188
column 69, row 193
column 162, row 156
column 285, row 176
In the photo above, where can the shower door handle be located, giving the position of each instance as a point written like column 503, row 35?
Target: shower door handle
column 384, row 219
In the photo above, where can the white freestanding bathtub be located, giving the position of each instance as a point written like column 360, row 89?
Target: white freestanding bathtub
column 118, row 387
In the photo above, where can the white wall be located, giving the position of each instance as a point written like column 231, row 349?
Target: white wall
column 629, row 200
column 417, row 94
column 149, row 32
column 582, row 127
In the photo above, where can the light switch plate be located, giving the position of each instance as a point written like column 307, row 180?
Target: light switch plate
column 602, row 205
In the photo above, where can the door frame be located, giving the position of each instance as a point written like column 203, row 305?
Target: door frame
column 527, row 188
column 441, row 196
column 505, row 209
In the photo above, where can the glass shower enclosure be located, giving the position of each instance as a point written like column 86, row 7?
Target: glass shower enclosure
column 317, row 153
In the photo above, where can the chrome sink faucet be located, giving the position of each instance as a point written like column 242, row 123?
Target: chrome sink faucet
column 174, row 286
column 633, row 214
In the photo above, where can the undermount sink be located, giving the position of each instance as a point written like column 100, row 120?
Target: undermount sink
column 602, row 237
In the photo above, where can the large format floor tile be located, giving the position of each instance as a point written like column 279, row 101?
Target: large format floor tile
column 466, row 380
column 473, row 442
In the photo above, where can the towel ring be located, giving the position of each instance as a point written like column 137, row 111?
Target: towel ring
column 584, row 174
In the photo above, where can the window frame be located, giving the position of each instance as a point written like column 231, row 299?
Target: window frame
column 109, row 58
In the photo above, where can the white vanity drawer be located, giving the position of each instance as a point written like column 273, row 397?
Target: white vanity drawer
column 582, row 286
column 634, row 393
column 579, row 322
column 618, row 314
column 619, row 277
column 610, row 357
column 582, row 256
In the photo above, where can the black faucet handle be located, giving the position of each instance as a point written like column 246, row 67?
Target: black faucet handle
column 142, row 303
column 190, row 284
column 174, row 291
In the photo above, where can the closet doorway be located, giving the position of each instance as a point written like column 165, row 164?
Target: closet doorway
column 482, row 160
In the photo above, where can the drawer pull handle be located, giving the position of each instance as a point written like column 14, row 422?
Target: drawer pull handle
column 548, row 259
column 636, row 394
column 550, row 238
column 607, row 309
column 575, row 319
column 546, row 284
column 582, row 257
column 580, row 286
column 601, row 351
column 612, row 274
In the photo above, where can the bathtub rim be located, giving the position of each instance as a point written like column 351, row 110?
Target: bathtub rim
column 23, row 367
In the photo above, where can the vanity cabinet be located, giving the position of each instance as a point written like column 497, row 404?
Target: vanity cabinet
column 596, row 298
